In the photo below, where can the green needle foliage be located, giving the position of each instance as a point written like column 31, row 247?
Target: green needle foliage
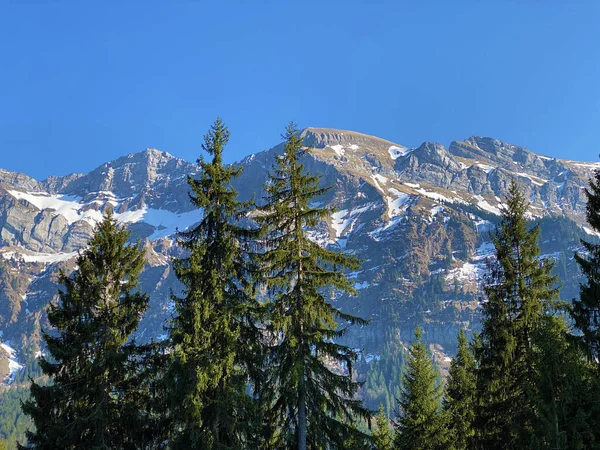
column 93, row 400
column 567, row 405
column 312, row 391
column 459, row 402
column 520, row 290
column 586, row 309
column 212, row 333
column 421, row 425
column 382, row 435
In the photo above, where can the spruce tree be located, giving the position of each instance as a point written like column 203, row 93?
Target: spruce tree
column 519, row 290
column 382, row 435
column 421, row 425
column 566, row 399
column 460, row 398
column 586, row 309
column 212, row 333
column 92, row 400
column 311, row 388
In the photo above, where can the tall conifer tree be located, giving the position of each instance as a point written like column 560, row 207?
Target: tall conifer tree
column 566, row 399
column 212, row 332
column 92, row 400
column 382, row 435
column 520, row 290
column 311, row 402
column 586, row 309
column 422, row 424
column 460, row 398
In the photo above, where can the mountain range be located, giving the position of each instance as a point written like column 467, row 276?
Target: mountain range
column 418, row 218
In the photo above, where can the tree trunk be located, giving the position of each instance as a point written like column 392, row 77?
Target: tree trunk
column 302, row 419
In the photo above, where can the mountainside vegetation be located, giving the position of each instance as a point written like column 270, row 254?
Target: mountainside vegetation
column 264, row 341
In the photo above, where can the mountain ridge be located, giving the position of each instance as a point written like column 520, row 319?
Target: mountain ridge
column 417, row 217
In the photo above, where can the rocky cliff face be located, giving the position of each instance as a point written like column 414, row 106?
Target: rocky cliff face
column 417, row 217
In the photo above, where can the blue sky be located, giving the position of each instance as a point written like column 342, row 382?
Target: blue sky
column 82, row 83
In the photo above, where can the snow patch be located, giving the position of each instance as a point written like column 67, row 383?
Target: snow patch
column 396, row 206
column 590, row 166
column 359, row 286
column 379, row 179
column 396, row 152
column 473, row 270
column 66, row 205
column 338, row 149
column 486, row 168
column 13, row 365
column 591, row 232
column 483, row 204
column 372, row 357
column 344, row 222
column 435, row 210
column 72, row 209
column 434, row 195
column 44, row 258
column 535, row 180
column 483, row 226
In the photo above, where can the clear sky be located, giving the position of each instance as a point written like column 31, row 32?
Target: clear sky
column 85, row 82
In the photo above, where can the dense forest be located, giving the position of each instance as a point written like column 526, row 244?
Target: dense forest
column 253, row 359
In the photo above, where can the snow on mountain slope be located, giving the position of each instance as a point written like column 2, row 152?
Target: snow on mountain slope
column 418, row 218
column 74, row 209
column 13, row 364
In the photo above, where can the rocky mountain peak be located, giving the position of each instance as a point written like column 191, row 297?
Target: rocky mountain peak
column 129, row 175
column 491, row 149
column 18, row 180
column 330, row 137
column 151, row 157
column 436, row 154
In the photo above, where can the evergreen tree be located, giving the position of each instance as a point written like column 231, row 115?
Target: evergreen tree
column 93, row 400
column 422, row 423
column 519, row 290
column 311, row 403
column 357, row 440
column 586, row 309
column 564, row 389
column 384, row 374
column 382, row 435
column 212, row 333
column 459, row 402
